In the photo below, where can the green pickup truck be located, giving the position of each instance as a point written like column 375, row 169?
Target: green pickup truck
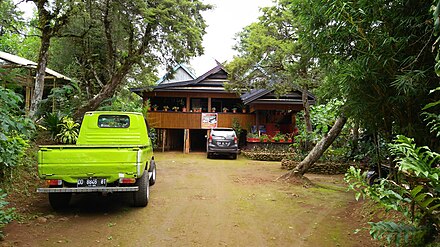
column 113, row 153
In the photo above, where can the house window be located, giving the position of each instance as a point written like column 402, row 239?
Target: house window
column 197, row 103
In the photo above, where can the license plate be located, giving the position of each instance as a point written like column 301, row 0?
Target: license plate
column 92, row 182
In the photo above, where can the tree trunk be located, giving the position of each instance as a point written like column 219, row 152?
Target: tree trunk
column 306, row 105
column 318, row 150
column 107, row 91
column 43, row 55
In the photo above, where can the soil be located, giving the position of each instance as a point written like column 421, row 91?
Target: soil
column 202, row 202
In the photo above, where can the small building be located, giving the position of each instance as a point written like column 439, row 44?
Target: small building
column 183, row 111
column 23, row 76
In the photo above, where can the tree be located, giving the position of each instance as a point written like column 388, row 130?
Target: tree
column 52, row 17
column 272, row 55
column 374, row 55
column 133, row 38
column 10, row 25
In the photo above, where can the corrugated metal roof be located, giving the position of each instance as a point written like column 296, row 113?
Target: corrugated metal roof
column 29, row 64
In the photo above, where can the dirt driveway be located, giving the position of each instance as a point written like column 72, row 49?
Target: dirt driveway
column 201, row 202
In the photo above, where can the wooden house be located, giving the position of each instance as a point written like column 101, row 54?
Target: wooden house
column 183, row 111
column 22, row 77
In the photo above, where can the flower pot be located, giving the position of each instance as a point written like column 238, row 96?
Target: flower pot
column 244, row 111
column 183, row 109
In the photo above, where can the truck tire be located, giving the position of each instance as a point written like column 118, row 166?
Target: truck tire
column 234, row 156
column 141, row 197
column 59, row 201
column 153, row 172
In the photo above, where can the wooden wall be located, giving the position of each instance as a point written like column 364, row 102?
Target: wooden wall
column 192, row 120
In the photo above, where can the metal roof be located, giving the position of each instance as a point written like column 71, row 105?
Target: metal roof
column 29, row 64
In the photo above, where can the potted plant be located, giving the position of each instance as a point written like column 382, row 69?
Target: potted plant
column 225, row 109
column 252, row 137
column 165, row 108
column 154, row 107
column 278, row 137
column 183, row 109
column 242, row 107
column 175, row 108
column 264, row 138
column 234, row 110
column 213, row 109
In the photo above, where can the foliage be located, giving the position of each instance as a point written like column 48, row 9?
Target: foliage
column 15, row 129
column 124, row 100
column 10, row 23
column 322, row 118
column 69, row 131
column 52, row 122
column 127, row 42
column 6, row 214
column 63, row 100
column 237, row 128
column 433, row 119
column 415, row 194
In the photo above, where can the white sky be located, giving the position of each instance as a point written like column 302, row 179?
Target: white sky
column 227, row 18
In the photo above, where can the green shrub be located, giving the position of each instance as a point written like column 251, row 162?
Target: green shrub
column 415, row 194
column 15, row 130
column 6, row 214
column 69, row 131
column 52, row 122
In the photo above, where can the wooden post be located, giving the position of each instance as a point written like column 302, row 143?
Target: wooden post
column 293, row 119
column 188, row 104
column 187, row 141
column 28, row 100
column 53, row 99
column 164, row 137
column 209, row 104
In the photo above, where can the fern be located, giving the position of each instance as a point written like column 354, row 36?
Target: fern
column 395, row 233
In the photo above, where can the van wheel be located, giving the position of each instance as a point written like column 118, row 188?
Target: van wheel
column 152, row 171
column 59, row 201
column 142, row 196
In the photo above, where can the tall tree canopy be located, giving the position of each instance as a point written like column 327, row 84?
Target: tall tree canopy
column 376, row 56
column 134, row 38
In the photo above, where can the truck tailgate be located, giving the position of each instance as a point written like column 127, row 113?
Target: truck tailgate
column 72, row 162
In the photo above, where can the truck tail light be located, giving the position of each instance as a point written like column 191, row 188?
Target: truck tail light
column 127, row 180
column 210, row 138
column 235, row 140
column 54, row 182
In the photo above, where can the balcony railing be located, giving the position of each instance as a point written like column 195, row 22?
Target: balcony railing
column 192, row 120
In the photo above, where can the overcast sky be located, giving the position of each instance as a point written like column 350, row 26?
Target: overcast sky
column 227, row 18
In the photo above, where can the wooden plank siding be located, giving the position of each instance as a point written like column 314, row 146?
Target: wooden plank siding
column 192, row 120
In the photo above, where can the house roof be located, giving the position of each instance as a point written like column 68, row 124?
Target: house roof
column 23, row 62
column 211, row 81
column 268, row 96
column 179, row 73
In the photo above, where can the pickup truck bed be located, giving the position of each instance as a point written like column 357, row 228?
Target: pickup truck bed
column 106, row 158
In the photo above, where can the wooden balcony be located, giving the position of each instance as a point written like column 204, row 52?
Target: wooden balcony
column 192, row 120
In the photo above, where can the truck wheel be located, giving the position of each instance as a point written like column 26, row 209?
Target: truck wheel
column 153, row 172
column 141, row 197
column 59, row 201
